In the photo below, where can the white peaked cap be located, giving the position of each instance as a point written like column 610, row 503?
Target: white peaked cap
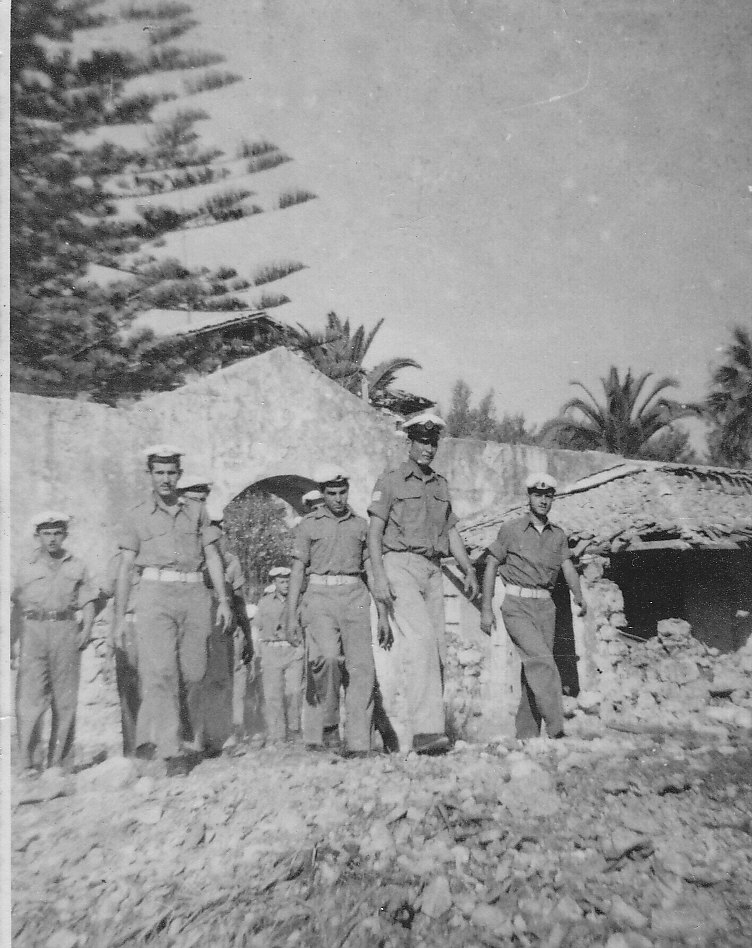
column 328, row 473
column 541, row 481
column 49, row 516
column 278, row 571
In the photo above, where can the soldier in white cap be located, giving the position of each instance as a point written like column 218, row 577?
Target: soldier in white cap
column 528, row 553
column 331, row 544
column 195, row 485
column 170, row 540
column 281, row 660
column 50, row 588
column 312, row 500
column 412, row 528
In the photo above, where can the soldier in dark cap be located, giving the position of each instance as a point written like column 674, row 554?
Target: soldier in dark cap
column 412, row 528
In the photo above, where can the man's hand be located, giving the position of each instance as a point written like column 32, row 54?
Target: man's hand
column 118, row 632
column 471, row 584
column 386, row 636
column 224, row 614
column 487, row 621
column 382, row 590
column 581, row 607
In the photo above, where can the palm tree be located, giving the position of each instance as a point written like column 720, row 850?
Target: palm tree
column 626, row 423
column 339, row 353
column 730, row 403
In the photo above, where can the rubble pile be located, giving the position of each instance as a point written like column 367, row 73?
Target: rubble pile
column 625, row 841
column 463, row 674
column 671, row 680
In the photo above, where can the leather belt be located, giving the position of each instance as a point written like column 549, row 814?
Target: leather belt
column 318, row 579
column 524, row 593
column 40, row 615
column 170, row 575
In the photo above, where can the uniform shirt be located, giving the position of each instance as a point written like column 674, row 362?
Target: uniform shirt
column 331, row 545
column 51, row 585
column 110, row 583
column 417, row 510
column 530, row 558
column 169, row 537
column 267, row 618
column 234, row 573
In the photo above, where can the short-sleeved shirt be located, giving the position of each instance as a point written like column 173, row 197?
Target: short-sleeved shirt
column 330, row 545
column 49, row 585
column 417, row 511
column 530, row 558
column 268, row 616
column 110, row 583
column 234, row 573
column 169, row 537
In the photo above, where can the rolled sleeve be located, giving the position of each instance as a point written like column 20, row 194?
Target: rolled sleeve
column 302, row 546
column 129, row 539
column 88, row 591
column 381, row 499
column 206, row 530
column 565, row 552
column 500, row 547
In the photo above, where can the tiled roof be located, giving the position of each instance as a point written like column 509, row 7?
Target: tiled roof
column 179, row 322
column 640, row 505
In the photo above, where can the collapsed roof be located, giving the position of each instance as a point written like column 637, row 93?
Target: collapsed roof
column 641, row 505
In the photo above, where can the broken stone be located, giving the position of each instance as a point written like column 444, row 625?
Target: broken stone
column 626, row 916
column 114, row 774
column 436, row 898
column 493, row 919
column 589, row 701
column 62, row 939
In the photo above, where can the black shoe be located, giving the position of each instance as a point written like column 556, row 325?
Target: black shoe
column 357, row 754
column 558, row 737
column 431, row 744
column 177, row 766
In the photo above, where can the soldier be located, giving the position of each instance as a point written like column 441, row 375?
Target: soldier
column 312, row 500
column 412, row 528
column 528, row 552
column 170, row 539
column 332, row 543
column 51, row 586
column 281, row 661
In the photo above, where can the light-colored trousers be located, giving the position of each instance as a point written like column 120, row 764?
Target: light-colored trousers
column 174, row 621
column 530, row 624
column 337, row 621
column 418, row 614
column 48, row 675
column 282, row 677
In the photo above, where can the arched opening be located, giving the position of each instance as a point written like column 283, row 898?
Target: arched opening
column 260, row 523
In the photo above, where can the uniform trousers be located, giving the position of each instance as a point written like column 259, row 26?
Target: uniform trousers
column 530, row 624
column 282, row 677
column 337, row 621
column 419, row 636
column 174, row 621
column 128, row 684
column 216, row 689
column 48, row 675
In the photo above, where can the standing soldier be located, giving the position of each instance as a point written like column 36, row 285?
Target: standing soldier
column 412, row 528
column 312, row 500
column 331, row 542
column 50, row 587
column 170, row 539
column 281, row 661
column 529, row 552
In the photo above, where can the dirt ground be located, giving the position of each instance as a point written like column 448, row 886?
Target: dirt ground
column 617, row 839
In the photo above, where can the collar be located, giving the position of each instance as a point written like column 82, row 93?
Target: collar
column 531, row 523
column 157, row 503
column 411, row 469
column 324, row 511
column 42, row 556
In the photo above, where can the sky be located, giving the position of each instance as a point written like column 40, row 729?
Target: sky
column 528, row 192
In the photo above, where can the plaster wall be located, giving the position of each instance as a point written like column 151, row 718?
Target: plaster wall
column 264, row 418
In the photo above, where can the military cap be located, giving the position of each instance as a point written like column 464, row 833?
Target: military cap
column 50, row 518
column 270, row 588
column 312, row 496
column 195, row 480
column 278, row 571
column 541, row 481
column 329, row 474
column 424, row 425
column 162, row 451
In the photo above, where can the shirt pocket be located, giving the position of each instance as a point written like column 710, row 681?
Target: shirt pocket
column 409, row 510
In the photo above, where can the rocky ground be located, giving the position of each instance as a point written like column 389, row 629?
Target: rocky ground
column 619, row 838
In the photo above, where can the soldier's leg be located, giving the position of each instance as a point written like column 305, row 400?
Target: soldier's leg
column 32, row 689
column 65, row 663
column 216, row 687
column 355, row 623
column 323, row 647
column 530, row 624
column 294, row 677
column 415, row 587
column 193, row 632
column 159, row 713
column 273, row 661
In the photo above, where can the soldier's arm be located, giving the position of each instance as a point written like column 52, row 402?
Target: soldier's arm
column 487, row 621
column 297, row 576
column 386, row 636
column 380, row 586
column 458, row 551
column 573, row 581
column 122, row 594
column 217, row 574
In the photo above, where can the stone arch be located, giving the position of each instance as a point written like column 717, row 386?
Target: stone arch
column 287, row 487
